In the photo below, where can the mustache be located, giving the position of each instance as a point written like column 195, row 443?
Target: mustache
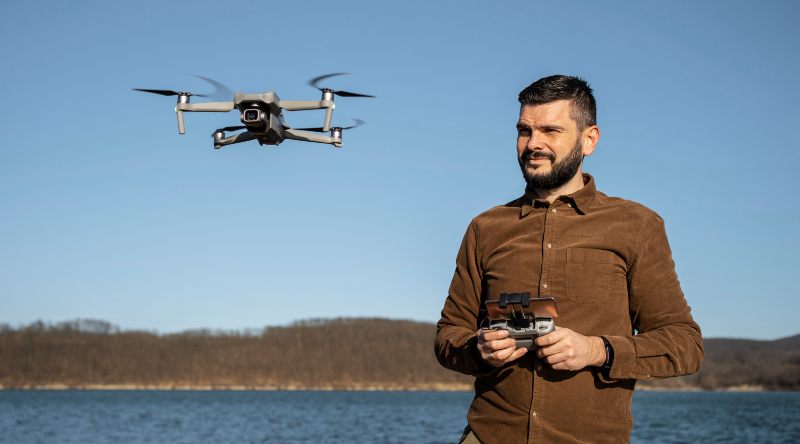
column 538, row 154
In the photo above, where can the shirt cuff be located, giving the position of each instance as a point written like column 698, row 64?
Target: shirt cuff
column 624, row 357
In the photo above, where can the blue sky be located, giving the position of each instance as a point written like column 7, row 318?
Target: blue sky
column 108, row 213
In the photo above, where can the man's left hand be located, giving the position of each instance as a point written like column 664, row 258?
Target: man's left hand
column 565, row 349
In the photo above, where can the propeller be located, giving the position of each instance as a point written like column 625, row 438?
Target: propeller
column 168, row 92
column 232, row 128
column 319, row 129
column 316, row 80
column 219, row 89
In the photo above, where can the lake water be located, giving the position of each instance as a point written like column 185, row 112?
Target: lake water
column 118, row 417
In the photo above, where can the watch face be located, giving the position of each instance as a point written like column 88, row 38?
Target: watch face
column 538, row 308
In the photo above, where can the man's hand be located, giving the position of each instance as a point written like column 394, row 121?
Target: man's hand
column 564, row 349
column 497, row 349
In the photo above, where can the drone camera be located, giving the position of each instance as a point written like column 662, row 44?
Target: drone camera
column 252, row 115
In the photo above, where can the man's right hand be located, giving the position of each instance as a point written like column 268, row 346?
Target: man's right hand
column 497, row 349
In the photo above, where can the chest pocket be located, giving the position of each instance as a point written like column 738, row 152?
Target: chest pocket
column 591, row 274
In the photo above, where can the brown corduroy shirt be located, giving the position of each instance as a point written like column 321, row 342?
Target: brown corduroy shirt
column 608, row 264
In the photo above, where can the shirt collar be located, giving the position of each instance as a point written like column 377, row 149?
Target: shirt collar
column 581, row 199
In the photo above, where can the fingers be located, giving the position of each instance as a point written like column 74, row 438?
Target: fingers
column 560, row 360
column 553, row 337
column 565, row 349
column 556, row 358
column 493, row 340
column 492, row 335
column 554, row 343
column 499, row 344
column 497, row 349
column 563, row 362
column 504, row 356
column 518, row 353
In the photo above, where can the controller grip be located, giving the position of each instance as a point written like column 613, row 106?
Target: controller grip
column 525, row 343
column 545, row 326
column 525, row 338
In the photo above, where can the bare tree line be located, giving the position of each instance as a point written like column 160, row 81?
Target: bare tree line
column 340, row 353
column 314, row 354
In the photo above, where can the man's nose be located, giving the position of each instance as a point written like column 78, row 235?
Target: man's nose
column 535, row 141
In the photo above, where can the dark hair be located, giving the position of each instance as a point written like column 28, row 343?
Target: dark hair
column 583, row 108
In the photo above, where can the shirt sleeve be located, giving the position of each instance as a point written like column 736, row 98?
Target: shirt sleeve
column 456, row 338
column 668, row 341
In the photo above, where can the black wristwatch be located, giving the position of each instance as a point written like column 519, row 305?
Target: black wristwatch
column 609, row 355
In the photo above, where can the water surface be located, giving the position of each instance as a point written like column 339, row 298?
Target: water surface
column 370, row 417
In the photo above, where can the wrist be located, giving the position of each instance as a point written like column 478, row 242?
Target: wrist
column 601, row 355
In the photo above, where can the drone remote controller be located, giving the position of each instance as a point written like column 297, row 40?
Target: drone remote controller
column 524, row 318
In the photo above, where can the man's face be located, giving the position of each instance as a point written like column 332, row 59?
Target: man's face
column 550, row 148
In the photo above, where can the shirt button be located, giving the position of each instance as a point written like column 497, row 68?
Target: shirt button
column 569, row 205
column 553, row 211
column 533, row 413
column 549, row 245
column 544, row 285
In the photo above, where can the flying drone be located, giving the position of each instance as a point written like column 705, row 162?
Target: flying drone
column 262, row 114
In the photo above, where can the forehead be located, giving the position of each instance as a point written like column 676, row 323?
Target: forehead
column 557, row 112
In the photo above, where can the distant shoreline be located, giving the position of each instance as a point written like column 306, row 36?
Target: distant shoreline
column 267, row 388
column 356, row 388
column 94, row 355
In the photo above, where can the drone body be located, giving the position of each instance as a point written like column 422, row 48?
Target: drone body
column 262, row 115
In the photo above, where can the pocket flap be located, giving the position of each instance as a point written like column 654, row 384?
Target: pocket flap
column 590, row 255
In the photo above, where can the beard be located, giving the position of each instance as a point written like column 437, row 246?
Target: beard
column 561, row 172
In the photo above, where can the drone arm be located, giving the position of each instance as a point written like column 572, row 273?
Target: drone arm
column 236, row 138
column 304, row 105
column 209, row 107
column 199, row 107
column 328, row 115
column 308, row 136
column 181, row 127
column 301, row 105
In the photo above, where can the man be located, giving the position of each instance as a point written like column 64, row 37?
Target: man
column 607, row 263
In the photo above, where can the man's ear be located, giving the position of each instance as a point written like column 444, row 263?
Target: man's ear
column 589, row 138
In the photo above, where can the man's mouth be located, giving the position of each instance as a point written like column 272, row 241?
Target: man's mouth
column 538, row 157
